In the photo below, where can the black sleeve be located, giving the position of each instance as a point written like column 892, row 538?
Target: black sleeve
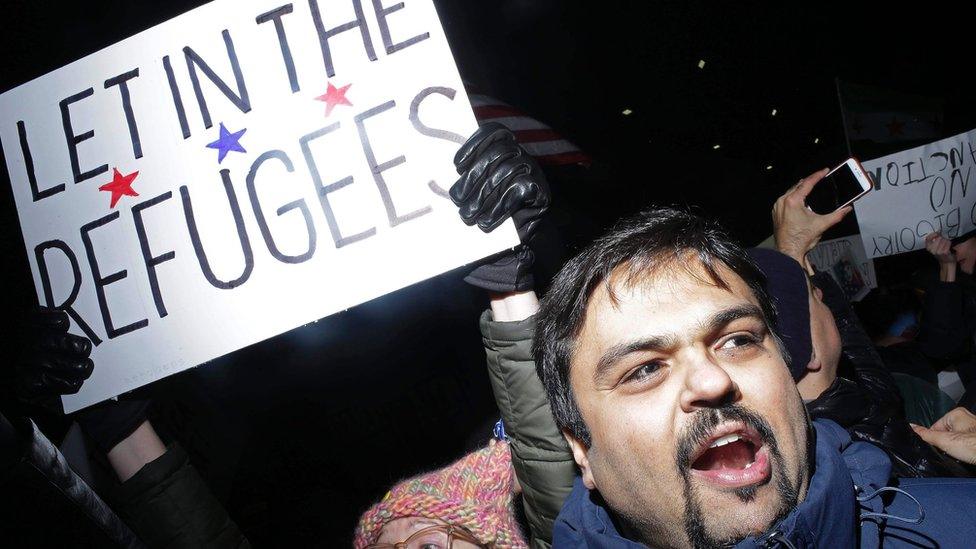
column 942, row 331
column 167, row 504
column 858, row 348
column 47, row 502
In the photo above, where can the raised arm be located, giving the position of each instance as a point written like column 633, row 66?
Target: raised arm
column 500, row 180
column 161, row 497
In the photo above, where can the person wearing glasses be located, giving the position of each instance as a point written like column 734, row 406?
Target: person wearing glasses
column 466, row 505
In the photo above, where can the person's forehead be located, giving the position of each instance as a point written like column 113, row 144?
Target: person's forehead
column 966, row 245
column 661, row 300
column 400, row 529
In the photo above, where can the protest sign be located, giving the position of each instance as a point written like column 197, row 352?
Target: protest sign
column 917, row 192
column 844, row 259
column 235, row 172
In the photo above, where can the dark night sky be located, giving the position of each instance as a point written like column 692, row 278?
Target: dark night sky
column 295, row 434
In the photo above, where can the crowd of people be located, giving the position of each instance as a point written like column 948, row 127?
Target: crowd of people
column 671, row 389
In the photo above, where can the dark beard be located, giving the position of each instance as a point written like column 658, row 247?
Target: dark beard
column 703, row 423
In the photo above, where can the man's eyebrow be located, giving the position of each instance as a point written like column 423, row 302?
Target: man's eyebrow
column 606, row 363
column 723, row 317
column 615, row 353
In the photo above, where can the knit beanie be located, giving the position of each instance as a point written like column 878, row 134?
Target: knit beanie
column 786, row 284
column 475, row 493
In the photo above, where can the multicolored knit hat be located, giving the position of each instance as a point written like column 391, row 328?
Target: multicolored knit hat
column 475, row 492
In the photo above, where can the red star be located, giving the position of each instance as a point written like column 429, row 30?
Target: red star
column 334, row 96
column 895, row 127
column 119, row 185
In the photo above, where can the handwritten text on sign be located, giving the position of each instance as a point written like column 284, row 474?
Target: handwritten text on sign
column 235, row 172
column 917, row 192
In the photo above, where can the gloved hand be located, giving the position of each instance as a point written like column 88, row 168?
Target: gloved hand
column 499, row 179
column 52, row 362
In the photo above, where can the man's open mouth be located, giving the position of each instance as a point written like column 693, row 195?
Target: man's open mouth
column 733, row 456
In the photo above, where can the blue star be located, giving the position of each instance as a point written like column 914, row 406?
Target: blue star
column 227, row 142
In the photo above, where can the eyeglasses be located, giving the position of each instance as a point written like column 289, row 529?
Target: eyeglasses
column 441, row 536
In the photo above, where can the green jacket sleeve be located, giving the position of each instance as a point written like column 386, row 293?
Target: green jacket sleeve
column 168, row 505
column 542, row 458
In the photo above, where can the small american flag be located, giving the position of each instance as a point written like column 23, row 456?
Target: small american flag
column 547, row 146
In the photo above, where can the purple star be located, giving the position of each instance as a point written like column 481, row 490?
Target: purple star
column 227, row 142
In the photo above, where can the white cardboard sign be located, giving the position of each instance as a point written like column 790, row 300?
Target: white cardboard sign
column 917, row 192
column 238, row 171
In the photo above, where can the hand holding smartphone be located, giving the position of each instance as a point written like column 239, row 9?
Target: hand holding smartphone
column 839, row 188
column 815, row 204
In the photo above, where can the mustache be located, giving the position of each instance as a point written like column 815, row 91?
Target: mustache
column 704, row 422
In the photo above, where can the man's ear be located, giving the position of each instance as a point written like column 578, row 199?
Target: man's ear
column 814, row 366
column 580, row 451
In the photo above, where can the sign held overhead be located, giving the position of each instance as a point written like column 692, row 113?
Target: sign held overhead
column 238, row 171
column 919, row 191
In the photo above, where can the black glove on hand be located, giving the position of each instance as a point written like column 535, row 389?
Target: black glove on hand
column 499, row 179
column 52, row 362
column 55, row 363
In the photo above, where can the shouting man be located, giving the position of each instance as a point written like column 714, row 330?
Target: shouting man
column 658, row 351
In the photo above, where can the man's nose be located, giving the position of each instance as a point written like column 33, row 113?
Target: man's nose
column 707, row 385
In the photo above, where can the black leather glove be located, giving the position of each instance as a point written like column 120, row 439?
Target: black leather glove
column 52, row 362
column 499, row 179
column 55, row 363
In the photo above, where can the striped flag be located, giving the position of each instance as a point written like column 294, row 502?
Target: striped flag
column 547, row 146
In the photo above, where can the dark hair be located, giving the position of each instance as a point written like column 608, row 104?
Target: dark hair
column 651, row 240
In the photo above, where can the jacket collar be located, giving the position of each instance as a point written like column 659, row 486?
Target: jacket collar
column 829, row 510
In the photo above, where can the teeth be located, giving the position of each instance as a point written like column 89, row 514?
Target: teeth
column 751, row 463
column 725, row 440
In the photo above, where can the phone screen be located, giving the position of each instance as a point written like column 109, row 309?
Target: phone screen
column 835, row 189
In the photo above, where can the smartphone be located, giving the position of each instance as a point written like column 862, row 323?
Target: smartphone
column 841, row 187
